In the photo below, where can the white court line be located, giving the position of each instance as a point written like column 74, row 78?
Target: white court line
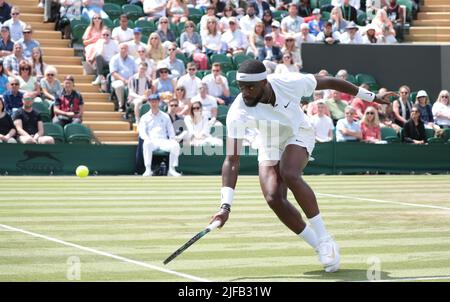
column 94, row 251
column 386, row 201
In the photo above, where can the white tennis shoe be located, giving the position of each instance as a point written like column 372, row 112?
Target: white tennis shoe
column 328, row 252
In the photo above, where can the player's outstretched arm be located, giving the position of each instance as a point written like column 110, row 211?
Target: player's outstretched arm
column 230, row 172
column 349, row 88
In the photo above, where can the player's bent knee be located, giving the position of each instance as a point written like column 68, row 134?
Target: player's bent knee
column 289, row 176
column 274, row 200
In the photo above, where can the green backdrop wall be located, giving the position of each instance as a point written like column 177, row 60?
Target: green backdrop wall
column 329, row 158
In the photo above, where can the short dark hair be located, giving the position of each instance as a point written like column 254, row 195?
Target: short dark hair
column 252, row 66
column 69, row 78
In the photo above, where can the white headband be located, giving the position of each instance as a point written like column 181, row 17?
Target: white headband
column 251, row 77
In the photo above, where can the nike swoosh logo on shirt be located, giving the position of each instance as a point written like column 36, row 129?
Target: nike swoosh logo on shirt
column 287, row 105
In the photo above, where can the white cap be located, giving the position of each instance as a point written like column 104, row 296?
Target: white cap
column 421, row 93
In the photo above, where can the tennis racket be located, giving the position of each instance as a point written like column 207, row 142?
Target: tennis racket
column 194, row 239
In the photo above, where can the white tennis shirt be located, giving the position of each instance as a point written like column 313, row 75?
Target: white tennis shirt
column 273, row 124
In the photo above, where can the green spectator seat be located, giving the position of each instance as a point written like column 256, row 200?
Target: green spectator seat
column 198, row 27
column 77, row 33
column 144, row 109
column 222, row 111
column 361, row 18
column 412, row 96
column 43, row 111
column 147, row 26
column 200, row 74
column 180, row 28
column 55, row 131
column 324, row 2
column 325, row 16
column 112, row 10
column 390, row 135
column 118, row 2
column 367, row 79
column 279, row 14
column 225, row 62
column 133, row 12
column 234, row 92
column 314, row 4
column 447, row 134
column 409, row 8
column 130, row 23
column 108, row 23
column 144, row 38
column 352, row 79
column 231, row 77
column 77, row 134
column 183, row 58
column 75, row 22
column 195, row 18
column 239, row 58
column 195, row 11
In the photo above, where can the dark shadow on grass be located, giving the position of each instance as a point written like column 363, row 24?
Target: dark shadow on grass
column 344, row 275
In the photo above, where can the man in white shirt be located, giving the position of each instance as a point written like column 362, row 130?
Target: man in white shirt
column 351, row 35
column 248, row 22
column 270, row 105
column 347, row 129
column 154, row 9
column 323, row 124
column 105, row 49
column 209, row 103
column 139, row 88
column 217, row 85
column 122, row 33
column 16, row 26
column 136, row 43
column 190, row 81
column 156, row 130
column 291, row 23
column 235, row 40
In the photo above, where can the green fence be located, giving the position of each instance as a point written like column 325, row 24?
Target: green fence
column 329, row 158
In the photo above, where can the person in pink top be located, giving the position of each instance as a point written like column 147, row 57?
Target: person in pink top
column 360, row 106
column 312, row 108
column 92, row 34
column 370, row 126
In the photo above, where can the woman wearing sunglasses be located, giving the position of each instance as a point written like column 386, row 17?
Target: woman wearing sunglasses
column 199, row 128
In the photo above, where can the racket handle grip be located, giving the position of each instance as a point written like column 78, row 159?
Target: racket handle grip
column 214, row 225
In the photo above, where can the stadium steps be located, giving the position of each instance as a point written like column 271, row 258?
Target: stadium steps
column 107, row 125
column 99, row 112
column 432, row 24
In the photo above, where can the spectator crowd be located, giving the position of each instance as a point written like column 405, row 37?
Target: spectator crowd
column 173, row 66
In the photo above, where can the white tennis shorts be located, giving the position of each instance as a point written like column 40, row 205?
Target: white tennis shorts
column 306, row 138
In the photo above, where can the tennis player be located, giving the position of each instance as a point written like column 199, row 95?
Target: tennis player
column 269, row 105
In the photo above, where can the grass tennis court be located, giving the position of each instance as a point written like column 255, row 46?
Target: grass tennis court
column 122, row 228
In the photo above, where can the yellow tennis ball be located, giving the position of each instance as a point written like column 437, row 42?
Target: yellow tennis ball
column 82, row 171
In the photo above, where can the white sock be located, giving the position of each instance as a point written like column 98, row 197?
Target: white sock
column 319, row 226
column 309, row 236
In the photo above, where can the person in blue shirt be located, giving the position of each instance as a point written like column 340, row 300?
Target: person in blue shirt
column 316, row 25
column 13, row 97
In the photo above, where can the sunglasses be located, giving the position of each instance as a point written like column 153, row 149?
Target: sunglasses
column 414, row 111
column 105, row 35
column 15, row 14
column 370, row 112
column 14, row 84
column 154, row 38
column 192, row 69
column 216, row 70
column 404, row 92
column 444, row 96
column 171, row 49
column 162, row 22
column 163, row 71
column 96, row 18
column 174, row 105
column 180, row 89
column 286, row 57
column 196, row 108
column 189, row 26
column 50, row 74
column 25, row 68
